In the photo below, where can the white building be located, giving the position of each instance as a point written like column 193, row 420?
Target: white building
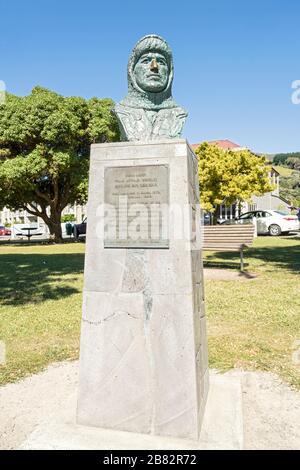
column 8, row 217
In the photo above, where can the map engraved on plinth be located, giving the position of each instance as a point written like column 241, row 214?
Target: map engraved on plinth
column 137, row 198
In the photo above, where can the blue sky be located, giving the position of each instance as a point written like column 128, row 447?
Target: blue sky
column 235, row 60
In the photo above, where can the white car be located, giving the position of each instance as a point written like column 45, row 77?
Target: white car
column 272, row 222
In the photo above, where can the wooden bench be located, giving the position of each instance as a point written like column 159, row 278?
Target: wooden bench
column 233, row 237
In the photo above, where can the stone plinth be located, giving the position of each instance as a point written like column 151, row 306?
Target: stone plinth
column 143, row 360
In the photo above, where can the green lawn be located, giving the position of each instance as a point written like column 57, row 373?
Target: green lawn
column 40, row 306
column 254, row 324
column 251, row 324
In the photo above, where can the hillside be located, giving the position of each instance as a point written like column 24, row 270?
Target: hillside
column 289, row 184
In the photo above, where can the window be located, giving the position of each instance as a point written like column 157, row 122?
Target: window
column 281, row 212
column 248, row 215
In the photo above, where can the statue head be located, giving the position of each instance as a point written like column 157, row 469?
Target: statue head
column 150, row 70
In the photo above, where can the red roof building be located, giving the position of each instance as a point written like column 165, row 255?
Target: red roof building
column 223, row 144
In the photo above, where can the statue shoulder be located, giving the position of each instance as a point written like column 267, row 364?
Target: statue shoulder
column 120, row 109
column 181, row 112
column 132, row 122
column 127, row 111
column 169, row 122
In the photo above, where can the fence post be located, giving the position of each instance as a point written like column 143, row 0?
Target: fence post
column 242, row 259
column 254, row 221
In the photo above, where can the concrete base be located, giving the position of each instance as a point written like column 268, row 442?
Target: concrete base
column 143, row 348
column 222, row 427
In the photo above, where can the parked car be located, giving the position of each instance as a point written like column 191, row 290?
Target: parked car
column 206, row 218
column 79, row 230
column 272, row 222
column 4, row 232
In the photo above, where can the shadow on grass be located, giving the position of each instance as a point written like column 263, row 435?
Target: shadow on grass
column 227, row 261
column 38, row 277
column 285, row 257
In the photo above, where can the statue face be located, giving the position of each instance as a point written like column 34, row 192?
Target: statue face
column 152, row 72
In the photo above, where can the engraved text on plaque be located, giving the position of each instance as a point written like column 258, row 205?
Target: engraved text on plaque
column 137, row 199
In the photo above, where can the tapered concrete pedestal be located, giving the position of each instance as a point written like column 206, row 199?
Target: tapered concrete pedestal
column 143, row 359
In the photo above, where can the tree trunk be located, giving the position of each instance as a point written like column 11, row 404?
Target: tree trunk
column 53, row 221
column 54, row 225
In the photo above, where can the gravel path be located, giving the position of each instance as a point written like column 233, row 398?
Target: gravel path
column 24, row 404
column 271, row 409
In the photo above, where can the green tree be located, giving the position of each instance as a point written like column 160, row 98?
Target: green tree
column 281, row 158
column 290, row 188
column 68, row 218
column 228, row 177
column 293, row 163
column 44, row 151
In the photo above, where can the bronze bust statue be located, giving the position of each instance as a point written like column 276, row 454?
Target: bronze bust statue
column 149, row 112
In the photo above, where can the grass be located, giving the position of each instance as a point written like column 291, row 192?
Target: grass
column 40, row 306
column 255, row 324
column 251, row 324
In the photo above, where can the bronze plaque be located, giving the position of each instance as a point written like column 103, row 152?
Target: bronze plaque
column 136, row 203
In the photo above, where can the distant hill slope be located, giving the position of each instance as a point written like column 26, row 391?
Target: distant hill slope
column 289, row 184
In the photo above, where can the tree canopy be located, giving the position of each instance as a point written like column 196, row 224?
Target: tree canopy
column 289, row 180
column 227, row 176
column 44, row 151
column 286, row 158
column 290, row 187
